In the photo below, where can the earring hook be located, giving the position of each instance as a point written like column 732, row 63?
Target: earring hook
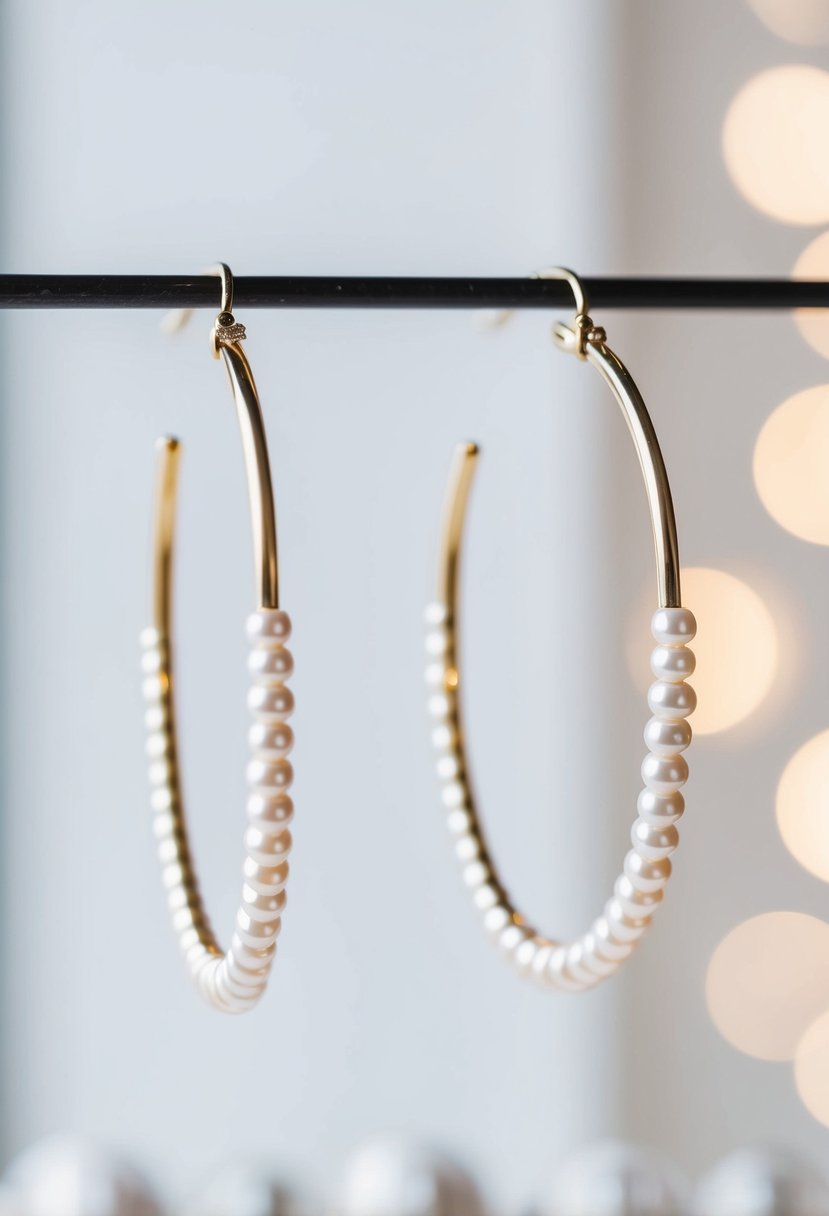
column 567, row 337
column 176, row 319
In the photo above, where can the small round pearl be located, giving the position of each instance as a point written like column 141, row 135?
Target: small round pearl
column 600, row 967
column 265, row 848
column 254, row 932
column 270, row 774
column 651, row 842
column 448, row 767
column 496, row 919
column 435, row 675
column 159, row 772
column 270, row 704
column 437, row 643
column 664, row 773
column 439, row 705
column 272, row 666
column 673, row 626
column 575, row 968
column 150, row 638
column 154, row 687
column 660, row 809
column 459, row 821
column 157, row 744
column 261, row 906
column 672, row 663
column 671, row 700
column 607, row 945
column 476, row 873
column 155, row 717
column 647, row 875
column 268, row 626
column 467, row 848
column 436, row 614
column 557, row 975
column 485, row 897
column 635, row 904
column 623, row 927
column 152, row 662
column 270, row 813
column 252, row 956
column 444, row 737
column 511, row 937
column 161, row 799
column 667, row 738
column 453, row 795
column 271, row 740
column 270, row 879
column 525, row 953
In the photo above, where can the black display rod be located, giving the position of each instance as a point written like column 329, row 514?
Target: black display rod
column 201, row 291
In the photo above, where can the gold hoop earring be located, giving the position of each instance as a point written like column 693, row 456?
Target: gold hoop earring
column 638, row 891
column 233, row 981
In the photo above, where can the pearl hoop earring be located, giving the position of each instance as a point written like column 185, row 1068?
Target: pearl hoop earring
column 233, row 981
column 638, row 891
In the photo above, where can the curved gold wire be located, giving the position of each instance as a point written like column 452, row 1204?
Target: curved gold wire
column 596, row 351
column 225, row 336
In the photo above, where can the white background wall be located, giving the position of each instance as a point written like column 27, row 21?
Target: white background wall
column 371, row 138
column 319, row 139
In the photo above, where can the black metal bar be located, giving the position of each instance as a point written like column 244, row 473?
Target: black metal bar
column 171, row 291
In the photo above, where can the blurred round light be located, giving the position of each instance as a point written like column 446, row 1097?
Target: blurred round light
column 813, row 263
column 767, row 981
column 791, row 459
column 803, row 806
column 804, row 21
column 811, row 1069
column 735, row 648
column 394, row 1175
column 774, row 144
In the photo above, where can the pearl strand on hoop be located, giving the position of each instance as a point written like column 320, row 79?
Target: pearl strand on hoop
column 638, row 890
column 232, row 982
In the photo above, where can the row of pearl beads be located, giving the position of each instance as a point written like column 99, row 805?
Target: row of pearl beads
column 638, row 890
column 235, row 981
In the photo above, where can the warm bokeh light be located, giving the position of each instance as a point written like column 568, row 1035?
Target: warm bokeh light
column 813, row 263
column 803, row 806
column 767, row 981
column 802, row 21
column 811, row 1069
column 791, row 464
column 735, row 646
column 775, row 147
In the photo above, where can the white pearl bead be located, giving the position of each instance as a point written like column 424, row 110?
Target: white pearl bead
column 635, row 904
column 671, row 700
column 672, row 663
column 270, row 704
column 437, row 643
column 161, row 799
column 69, row 1175
column 673, row 626
column 444, row 737
column 511, row 937
column 485, row 897
column 254, row 932
column 271, row 813
column 576, row 967
column 271, row 740
column 155, row 717
column 264, row 848
column 252, row 956
column 157, row 744
column 453, row 795
column 556, row 973
column 435, row 675
column 159, row 772
column 270, row 774
column 436, row 614
column 647, row 875
column 268, row 626
column 651, row 842
column 525, row 953
column 269, row 879
column 448, row 767
column 149, row 638
column 660, row 809
column 260, row 905
column 152, row 662
column 439, row 705
column 459, row 822
column 497, row 919
column 664, row 773
column 607, row 945
column 475, row 874
column 270, row 666
column 467, row 848
column 667, row 738
column 154, row 687
column 600, row 967
column 624, row 928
